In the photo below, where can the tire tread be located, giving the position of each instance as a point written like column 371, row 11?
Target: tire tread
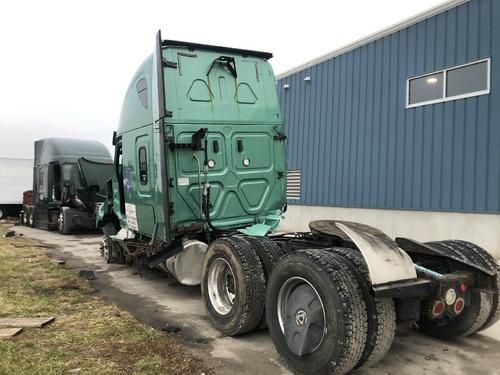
column 353, row 307
column 470, row 249
column 269, row 254
column 253, row 273
column 381, row 312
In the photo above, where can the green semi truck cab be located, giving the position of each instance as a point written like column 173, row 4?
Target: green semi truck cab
column 209, row 157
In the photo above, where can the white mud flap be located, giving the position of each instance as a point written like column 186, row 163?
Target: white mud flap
column 386, row 261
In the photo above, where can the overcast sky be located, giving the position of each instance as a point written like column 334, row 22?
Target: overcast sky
column 65, row 65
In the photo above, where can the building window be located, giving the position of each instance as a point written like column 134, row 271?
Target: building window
column 142, row 91
column 143, row 166
column 426, row 89
column 458, row 82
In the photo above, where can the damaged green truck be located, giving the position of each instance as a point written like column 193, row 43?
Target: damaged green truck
column 198, row 187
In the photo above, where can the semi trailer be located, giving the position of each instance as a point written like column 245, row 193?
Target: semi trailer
column 15, row 178
column 69, row 183
column 198, row 190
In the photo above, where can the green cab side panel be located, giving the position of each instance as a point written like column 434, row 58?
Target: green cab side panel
column 242, row 116
column 135, row 113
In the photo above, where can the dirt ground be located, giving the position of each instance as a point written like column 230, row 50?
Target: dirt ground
column 90, row 334
column 158, row 301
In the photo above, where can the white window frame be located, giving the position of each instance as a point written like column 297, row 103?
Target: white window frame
column 445, row 78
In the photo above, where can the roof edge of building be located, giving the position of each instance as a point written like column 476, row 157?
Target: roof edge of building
column 438, row 9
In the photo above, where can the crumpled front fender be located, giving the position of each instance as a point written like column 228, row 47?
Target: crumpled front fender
column 103, row 210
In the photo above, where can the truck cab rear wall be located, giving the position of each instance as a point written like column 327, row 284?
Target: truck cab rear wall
column 159, row 176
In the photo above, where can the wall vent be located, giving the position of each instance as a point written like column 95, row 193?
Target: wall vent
column 293, row 184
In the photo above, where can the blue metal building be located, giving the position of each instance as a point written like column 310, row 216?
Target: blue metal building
column 405, row 119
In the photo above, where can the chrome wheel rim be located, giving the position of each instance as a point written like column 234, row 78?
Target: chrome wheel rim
column 221, row 286
column 301, row 315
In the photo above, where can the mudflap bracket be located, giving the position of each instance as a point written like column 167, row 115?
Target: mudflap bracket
column 420, row 289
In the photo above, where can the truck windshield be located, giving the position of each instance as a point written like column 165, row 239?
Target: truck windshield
column 95, row 174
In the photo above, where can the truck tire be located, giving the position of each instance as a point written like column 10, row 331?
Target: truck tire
column 30, row 219
column 478, row 252
column 316, row 312
column 269, row 253
column 108, row 252
column 381, row 312
column 62, row 224
column 486, row 304
column 26, row 217
column 494, row 316
column 233, row 286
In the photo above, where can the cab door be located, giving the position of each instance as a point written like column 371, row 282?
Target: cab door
column 144, row 179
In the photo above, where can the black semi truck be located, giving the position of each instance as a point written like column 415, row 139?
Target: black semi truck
column 69, row 183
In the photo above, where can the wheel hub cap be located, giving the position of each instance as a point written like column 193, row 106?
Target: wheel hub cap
column 301, row 316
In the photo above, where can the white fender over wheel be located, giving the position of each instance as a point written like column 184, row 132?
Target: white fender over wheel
column 386, row 261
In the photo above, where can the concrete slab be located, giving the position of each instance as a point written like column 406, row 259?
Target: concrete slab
column 160, row 302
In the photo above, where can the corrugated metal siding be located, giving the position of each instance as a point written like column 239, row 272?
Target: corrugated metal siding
column 358, row 146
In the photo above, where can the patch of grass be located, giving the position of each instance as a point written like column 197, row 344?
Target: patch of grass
column 89, row 332
column 150, row 364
